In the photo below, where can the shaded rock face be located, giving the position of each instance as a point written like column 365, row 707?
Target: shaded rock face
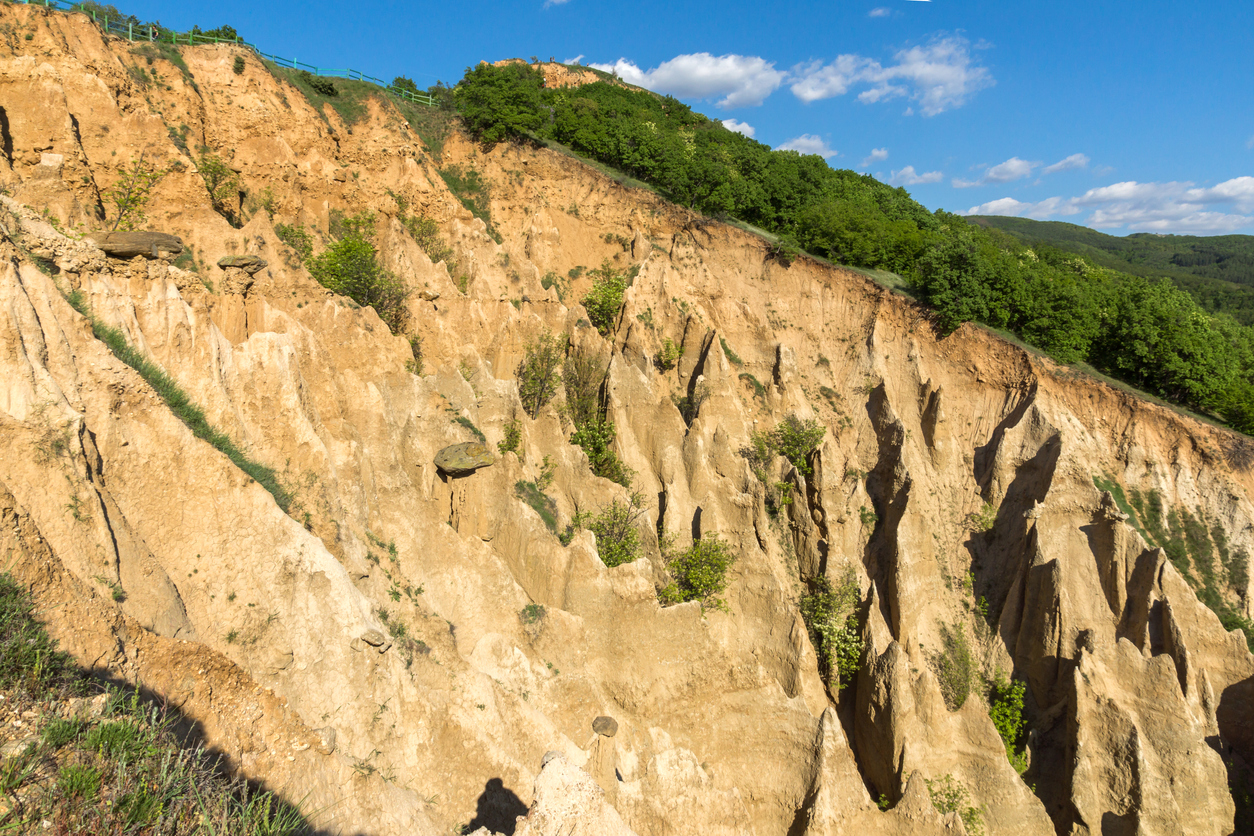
column 464, row 458
column 399, row 637
column 128, row 245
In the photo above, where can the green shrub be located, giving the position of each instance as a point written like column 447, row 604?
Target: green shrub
column 531, row 614
column 950, row 796
column 512, row 439
column 732, row 356
column 796, row 440
column 618, row 536
column 595, row 437
column 539, row 372
column 605, row 298
column 350, row 267
column 828, row 612
column 298, row 238
column 321, row 86
column 983, row 519
column 699, row 574
column 1005, row 707
column 122, row 738
column 689, row 405
column 61, row 731
column 954, row 666
column 238, row 66
column 669, row 355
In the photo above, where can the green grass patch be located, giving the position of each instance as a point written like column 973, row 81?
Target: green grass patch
column 539, row 501
column 124, row 772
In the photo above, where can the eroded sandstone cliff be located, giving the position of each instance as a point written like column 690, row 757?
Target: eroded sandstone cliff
column 363, row 653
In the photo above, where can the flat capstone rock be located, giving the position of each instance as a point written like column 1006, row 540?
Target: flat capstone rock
column 127, row 245
column 250, row 264
column 460, row 459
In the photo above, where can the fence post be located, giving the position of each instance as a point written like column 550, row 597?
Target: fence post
column 130, row 31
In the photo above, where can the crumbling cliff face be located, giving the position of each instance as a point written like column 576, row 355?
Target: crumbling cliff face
column 374, row 652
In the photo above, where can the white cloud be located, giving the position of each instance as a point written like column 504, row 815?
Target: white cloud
column 875, row 156
column 909, row 177
column 741, row 80
column 880, row 11
column 739, row 127
column 1249, row 143
column 1073, row 162
column 940, row 75
column 808, row 144
column 548, row 3
column 1238, row 191
column 574, row 60
column 1007, row 172
column 1149, row 207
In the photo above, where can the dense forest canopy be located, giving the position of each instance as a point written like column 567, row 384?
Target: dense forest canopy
column 1140, row 328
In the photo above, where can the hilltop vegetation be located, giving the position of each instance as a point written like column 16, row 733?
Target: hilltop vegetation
column 1218, row 271
column 1139, row 328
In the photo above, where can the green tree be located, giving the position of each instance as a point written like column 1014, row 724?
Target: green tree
column 500, row 103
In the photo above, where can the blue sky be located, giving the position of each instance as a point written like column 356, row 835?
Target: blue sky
column 1121, row 116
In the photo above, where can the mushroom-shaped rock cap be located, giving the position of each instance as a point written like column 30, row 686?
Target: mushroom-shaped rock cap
column 460, row 459
column 250, row 264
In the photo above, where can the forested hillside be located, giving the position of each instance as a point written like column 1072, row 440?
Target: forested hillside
column 1218, row 271
column 1141, row 329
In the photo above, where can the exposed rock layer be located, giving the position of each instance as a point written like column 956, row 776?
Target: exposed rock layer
column 374, row 653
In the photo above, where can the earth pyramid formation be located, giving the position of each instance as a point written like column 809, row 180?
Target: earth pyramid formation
column 405, row 650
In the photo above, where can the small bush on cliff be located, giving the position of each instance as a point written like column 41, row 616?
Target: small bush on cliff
column 792, row 438
column 699, row 574
column 595, row 437
column 1005, row 707
column 616, row 529
column 583, row 374
column 605, row 298
column 950, row 796
column 539, row 373
column 223, row 186
column 298, row 238
column 954, row 666
column 350, row 267
column 130, row 193
column 828, row 611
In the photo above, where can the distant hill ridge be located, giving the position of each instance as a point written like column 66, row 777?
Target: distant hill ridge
column 1217, row 270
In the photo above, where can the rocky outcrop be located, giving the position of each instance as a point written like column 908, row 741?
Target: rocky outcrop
column 128, row 245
